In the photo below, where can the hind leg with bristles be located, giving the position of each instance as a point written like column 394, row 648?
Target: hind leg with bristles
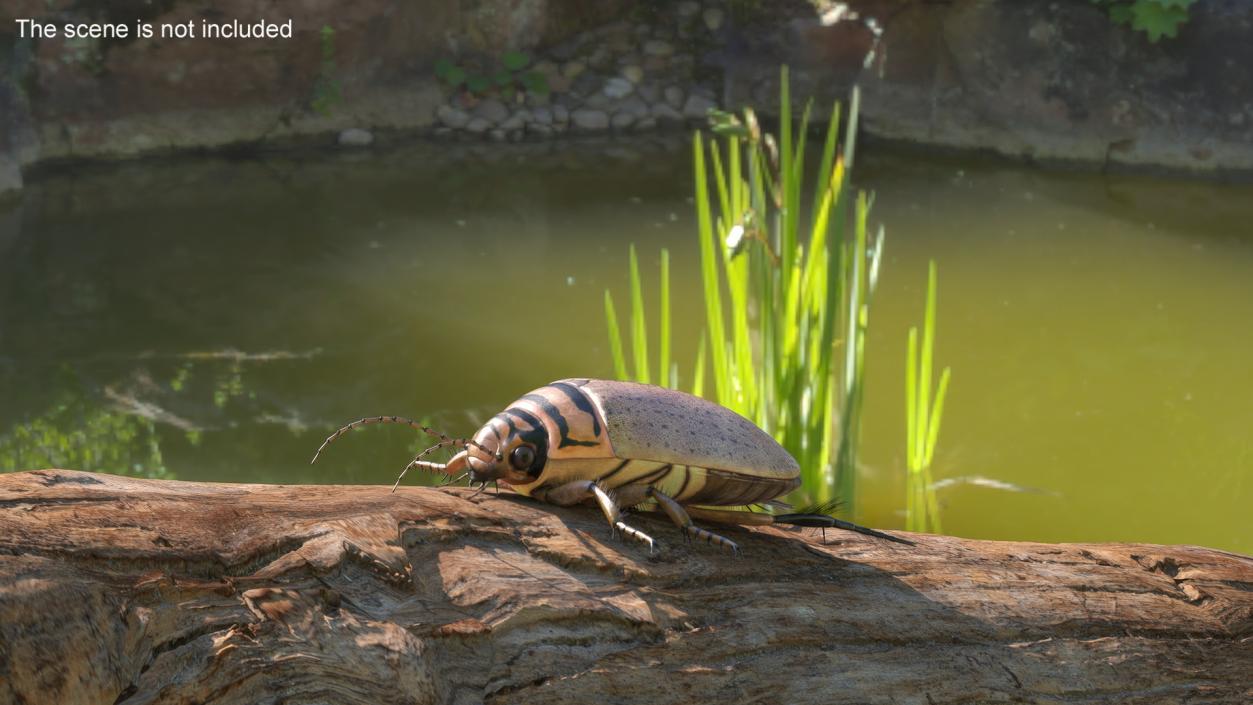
column 807, row 519
column 824, row 521
column 679, row 516
column 573, row 493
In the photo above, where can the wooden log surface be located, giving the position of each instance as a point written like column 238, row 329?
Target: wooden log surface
column 117, row 590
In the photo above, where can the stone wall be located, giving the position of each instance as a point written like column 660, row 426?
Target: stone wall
column 1051, row 80
column 1048, row 81
column 72, row 98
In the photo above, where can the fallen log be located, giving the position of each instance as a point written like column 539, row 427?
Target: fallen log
column 117, row 590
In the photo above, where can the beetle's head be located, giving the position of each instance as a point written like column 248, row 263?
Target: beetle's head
column 506, row 453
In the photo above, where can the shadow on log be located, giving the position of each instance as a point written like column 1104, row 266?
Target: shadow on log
column 116, row 590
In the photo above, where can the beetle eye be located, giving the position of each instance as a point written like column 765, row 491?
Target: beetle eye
column 522, row 457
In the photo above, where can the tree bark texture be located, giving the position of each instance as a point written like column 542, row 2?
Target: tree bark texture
column 117, row 590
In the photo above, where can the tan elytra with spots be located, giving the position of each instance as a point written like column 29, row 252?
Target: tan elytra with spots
column 622, row 444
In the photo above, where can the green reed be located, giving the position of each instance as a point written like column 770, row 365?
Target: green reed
column 922, row 420
column 785, row 290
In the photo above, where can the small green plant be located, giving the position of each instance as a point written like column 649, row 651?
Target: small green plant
column 326, row 93
column 1156, row 18
column 922, row 420
column 666, row 372
column 508, row 75
column 798, row 288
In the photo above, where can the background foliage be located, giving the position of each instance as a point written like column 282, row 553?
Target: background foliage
column 1156, row 18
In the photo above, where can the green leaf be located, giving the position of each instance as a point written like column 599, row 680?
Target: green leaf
column 515, row 60
column 456, row 76
column 731, row 130
column 443, row 67
column 328, row 43
column 478, row 84
column 535, row 82
column 1121, row 14
column 1157, row 19
column 727, row 124
column 502, row 78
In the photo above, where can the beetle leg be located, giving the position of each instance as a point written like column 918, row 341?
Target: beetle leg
column 732, row 517
column 679, row 516
column 451, row 479
column 456, row 463
column 628, row 496
column 575, row 492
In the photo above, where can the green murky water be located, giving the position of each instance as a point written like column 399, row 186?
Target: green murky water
column 214, row 319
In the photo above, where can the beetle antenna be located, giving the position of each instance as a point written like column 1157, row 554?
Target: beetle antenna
column 437, row 446
column 444, row 438
column 398, row 479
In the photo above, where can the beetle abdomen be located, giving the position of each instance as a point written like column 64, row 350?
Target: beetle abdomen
column 695, row 485
column 652, row 423
column 688, row 484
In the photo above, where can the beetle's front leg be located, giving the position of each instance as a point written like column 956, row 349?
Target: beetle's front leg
column 578, row 491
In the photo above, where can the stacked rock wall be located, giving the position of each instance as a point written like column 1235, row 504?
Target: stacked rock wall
column 1045, row 80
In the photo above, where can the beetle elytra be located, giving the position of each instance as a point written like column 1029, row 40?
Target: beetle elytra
column 622, row 445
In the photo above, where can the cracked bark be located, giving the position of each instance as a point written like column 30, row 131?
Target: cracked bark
column 132, row 591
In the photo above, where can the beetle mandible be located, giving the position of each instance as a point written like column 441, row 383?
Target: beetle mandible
column 622, row 444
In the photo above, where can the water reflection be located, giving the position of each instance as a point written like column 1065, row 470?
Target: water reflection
column 77, row 431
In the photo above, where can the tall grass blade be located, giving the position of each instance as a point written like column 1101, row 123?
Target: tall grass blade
column 615, row 339
column 666, row 379
column 787, row 180
column 822, row 184
column 698, row 377
column 709, row 273
column 933, row 434
column 639, row 325
column 933, row 422
column 923, row 417
column 924, row 370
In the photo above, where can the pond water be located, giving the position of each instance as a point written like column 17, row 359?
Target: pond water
column 214, row 319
